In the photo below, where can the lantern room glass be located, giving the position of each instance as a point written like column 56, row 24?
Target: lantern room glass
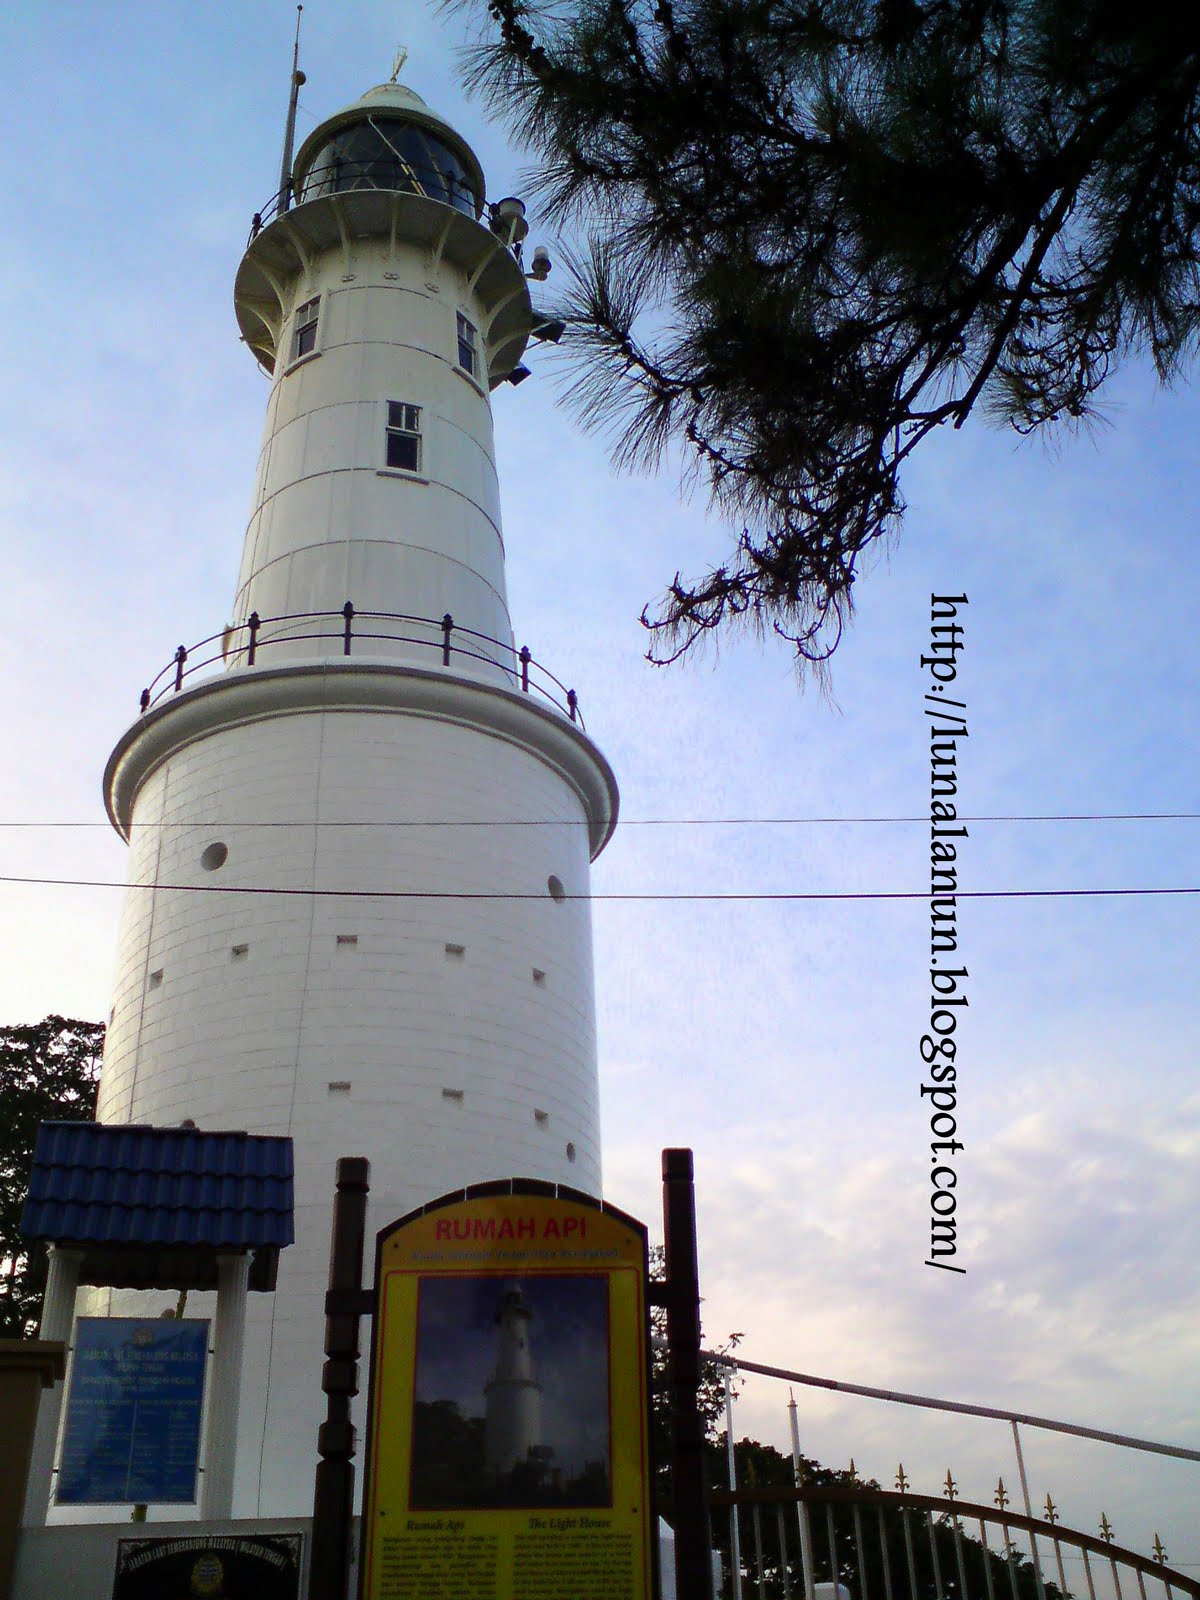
column 391, row 153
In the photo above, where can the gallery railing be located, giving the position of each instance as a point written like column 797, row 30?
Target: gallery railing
column 396, row 176
column 242, row 644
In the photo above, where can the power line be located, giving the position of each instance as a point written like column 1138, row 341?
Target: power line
column 782, row 897
column 651, row 822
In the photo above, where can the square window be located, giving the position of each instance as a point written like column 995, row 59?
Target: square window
column 304, row 328
column 467, row 357
column 402, row 415
column 403, row 436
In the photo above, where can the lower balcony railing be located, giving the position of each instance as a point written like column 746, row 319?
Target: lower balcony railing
column 246, row 643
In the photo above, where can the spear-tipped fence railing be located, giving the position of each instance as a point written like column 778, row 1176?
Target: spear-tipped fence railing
column 776, row 1582
column 876, row 1544
column 242, row 644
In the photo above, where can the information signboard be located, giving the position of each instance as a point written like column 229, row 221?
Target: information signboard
column 507, row 1450
column 133, row 1411
column 262, row 1566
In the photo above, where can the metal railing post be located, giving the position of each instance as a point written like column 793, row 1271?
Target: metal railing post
column 573, row 704
column 144, row 702
column 348, row 613
column 1033, row 1545
column 180, row 657
column 447, row 628
column 802, row 1519
column 735, row 1531
column 525, row 659
column 253, row 624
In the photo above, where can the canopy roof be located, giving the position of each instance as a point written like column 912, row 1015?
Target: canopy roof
column 153, row 1207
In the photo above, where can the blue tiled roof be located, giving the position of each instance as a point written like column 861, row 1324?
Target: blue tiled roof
column 97, row 1183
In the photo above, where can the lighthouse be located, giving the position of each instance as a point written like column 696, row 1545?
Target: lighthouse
column 361, row 818
column 513, row 1418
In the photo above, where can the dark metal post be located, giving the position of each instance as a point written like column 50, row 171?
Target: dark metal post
column 253, row 624
column 333, row 1500
column 180, row 658
column 348, row 613
column 144, row 702
column 525, row 659
column 447, row 626
column 693, row 1543
column 573, row 707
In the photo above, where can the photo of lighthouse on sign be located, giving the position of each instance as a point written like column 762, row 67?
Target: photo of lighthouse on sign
column 511, row 1393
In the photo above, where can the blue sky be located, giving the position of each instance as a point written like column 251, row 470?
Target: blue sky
column 778, row 1040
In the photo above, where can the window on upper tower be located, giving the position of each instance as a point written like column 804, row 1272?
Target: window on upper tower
column 468, row 353
column 403, row 436
column 304, row 327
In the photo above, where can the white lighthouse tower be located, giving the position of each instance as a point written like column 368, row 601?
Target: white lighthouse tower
column 513, row 1414
column 399, row 962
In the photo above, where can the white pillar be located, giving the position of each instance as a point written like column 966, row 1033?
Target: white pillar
column 220, row 1445
column 58, row 1318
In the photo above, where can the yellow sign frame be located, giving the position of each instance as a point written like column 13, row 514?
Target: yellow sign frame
column 434, row 1529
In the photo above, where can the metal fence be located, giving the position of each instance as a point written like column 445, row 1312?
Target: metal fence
column 878, row 1544
column 885, row 1545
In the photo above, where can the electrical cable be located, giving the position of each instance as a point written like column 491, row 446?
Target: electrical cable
column 654, row 822
column 714, row 896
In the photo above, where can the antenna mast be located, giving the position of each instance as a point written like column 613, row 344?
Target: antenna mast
column 289, row 136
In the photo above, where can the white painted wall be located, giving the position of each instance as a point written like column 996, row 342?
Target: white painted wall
column 255, row 1040
column 330, row 522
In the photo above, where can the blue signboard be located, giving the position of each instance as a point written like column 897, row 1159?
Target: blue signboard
column 133, row 1413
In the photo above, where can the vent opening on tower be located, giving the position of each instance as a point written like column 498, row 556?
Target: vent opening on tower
column 215, row 855
column 555, row 886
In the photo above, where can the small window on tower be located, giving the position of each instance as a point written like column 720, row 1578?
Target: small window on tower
column 304, row 328
column 468, row 358
column 403, row 436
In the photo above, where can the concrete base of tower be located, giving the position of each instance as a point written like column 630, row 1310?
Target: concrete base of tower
column 357, row 916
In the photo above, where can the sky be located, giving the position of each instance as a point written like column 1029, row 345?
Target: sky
column 778, row 1039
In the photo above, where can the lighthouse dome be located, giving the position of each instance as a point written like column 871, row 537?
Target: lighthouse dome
column 390, row 139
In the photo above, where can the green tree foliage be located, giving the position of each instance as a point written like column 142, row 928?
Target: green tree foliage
column 821, row 230
column 48, row 1072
